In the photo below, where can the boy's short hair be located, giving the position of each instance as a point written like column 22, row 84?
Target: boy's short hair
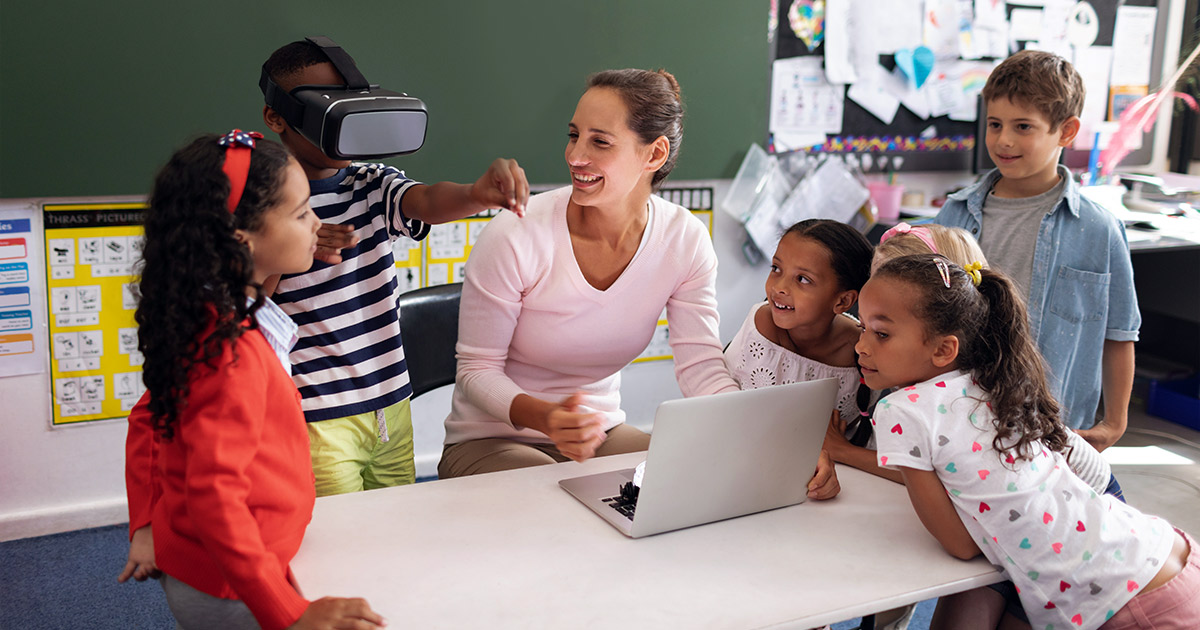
column 292, row 58
column 1041, row 80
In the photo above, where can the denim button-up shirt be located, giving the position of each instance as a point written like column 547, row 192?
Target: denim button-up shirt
column 1081, row 292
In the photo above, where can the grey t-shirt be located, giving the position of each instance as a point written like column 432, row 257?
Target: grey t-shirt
column 1010, row 231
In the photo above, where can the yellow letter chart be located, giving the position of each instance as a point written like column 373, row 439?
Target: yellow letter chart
column 91, row 250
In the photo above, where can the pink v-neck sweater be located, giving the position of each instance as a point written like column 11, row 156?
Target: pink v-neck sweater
column 530, row 322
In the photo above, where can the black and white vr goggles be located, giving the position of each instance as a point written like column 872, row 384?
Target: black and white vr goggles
column 353, row 121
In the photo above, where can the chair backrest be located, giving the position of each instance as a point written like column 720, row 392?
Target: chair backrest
column 429, row 328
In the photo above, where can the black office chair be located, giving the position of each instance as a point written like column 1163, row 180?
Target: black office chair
column 429, row 328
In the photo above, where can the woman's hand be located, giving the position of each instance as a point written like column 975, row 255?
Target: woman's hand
column 337, row 613
column 141, row 557
column 824, row 484
column 576, row 433
column 502, row 186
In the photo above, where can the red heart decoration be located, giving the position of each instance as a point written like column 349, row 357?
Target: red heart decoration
column 898, row 430
column 1046, row 518
column 983, row 507
column 1063, row 586
column 1079, row 526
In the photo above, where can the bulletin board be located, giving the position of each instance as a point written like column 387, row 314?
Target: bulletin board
column 945, row 141
column 95, row 366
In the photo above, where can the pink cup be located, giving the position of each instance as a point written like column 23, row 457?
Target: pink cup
column 886, row 198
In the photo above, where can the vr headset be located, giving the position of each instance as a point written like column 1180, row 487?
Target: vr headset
column 353, row 121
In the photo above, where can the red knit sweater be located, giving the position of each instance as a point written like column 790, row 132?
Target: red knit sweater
column 230, row 496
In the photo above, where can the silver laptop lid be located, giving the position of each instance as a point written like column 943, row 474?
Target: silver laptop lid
column 717, row 457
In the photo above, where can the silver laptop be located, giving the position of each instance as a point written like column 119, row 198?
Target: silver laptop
column 718, row 457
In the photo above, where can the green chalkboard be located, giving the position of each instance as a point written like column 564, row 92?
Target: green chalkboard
column 96, row 95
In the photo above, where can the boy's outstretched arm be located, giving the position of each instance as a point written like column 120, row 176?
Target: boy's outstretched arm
column 502, row 186
column 1116, row 384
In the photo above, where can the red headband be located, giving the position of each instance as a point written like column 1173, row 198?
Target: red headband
column 238, row 146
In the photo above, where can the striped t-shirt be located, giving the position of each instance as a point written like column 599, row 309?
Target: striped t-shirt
column 349, row 358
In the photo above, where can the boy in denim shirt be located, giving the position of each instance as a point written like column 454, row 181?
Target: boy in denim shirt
column 1068, row 255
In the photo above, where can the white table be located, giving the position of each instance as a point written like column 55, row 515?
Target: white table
column 513, row 550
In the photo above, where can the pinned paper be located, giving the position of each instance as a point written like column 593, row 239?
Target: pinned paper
column 807, row 19
column 1083, row 25
column 916, row 64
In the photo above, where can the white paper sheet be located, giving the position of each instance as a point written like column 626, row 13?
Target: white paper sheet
column 1133, row 41
column 1025, row 25
column 1053, row 36
column 892, row 24
column 940, row 28
column 873, row 97
column 1094, row 65
column 915, row 100
column 841, row 40
column 802, row 101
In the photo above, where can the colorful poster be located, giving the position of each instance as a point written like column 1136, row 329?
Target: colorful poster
column 91, row 251
column 22, row 339
column 410, row 263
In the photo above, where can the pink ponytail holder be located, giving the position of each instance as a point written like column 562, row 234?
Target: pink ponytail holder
column 922, row 233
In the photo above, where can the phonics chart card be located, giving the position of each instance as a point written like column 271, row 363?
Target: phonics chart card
column 95, row 364
column 22, row 338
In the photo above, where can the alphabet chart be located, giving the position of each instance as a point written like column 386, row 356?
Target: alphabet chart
column 95, row 364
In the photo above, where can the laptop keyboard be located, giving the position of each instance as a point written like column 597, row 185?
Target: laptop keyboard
column 626, row 502
column 621, row 505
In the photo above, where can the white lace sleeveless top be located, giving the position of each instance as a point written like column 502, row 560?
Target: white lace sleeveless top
column 756, row 362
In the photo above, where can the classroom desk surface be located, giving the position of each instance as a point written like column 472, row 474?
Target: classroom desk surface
column 513, row 550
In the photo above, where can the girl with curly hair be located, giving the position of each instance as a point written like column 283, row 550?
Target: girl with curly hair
column 218, row 473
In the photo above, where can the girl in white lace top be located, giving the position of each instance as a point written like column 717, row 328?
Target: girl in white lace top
column 802, row 331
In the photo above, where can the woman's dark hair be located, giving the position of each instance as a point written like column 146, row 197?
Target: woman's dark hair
column 995, row 346
column 194, row 271
column 655, row 108
column 849, row 251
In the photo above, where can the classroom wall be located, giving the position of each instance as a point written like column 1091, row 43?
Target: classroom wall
column 71, row 477
column 98, row 95
column 106, row 90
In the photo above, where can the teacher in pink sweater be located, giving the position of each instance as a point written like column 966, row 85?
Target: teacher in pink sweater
column 557, row 302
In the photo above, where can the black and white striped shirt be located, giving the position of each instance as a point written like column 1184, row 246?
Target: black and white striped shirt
column 350, row 358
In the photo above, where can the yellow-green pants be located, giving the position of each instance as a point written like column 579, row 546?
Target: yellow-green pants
column 349, row 454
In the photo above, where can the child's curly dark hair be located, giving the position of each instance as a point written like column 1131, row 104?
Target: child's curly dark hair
column 995, row 346
column 192, row 293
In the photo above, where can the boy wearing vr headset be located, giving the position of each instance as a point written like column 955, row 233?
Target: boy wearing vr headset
column 349, row 361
